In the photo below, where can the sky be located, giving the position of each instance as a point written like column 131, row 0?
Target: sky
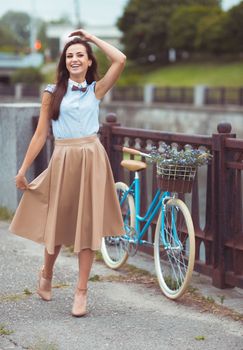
column 92, row 11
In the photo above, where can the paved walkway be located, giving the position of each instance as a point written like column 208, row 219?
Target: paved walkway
column 121, row 315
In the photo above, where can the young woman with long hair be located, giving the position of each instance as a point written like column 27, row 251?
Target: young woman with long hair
column 73, row 202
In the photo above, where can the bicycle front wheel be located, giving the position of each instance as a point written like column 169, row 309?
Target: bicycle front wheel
column 113, row 249
column 174, row 248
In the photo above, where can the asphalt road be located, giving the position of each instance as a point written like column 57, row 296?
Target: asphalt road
column 121, row 315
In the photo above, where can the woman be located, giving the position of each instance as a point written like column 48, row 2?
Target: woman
column 73, row 202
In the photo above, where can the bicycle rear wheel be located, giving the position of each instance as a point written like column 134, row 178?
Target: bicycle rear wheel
column 113, row 249
column 174, row 253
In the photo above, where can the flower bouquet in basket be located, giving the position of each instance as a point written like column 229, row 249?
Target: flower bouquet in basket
column 176, row 170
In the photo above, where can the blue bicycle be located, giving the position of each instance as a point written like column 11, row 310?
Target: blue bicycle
column 174, row 240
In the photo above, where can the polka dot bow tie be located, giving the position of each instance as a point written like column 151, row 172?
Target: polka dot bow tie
column 76, row 88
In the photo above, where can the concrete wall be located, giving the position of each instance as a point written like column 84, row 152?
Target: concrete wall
column 15, row 134
column 180, row 118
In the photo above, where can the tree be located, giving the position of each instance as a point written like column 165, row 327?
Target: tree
column 8, row 39
column 211, row 34
column 145, row 27
column 234, row 29
column 19, row 24
column 184, row 23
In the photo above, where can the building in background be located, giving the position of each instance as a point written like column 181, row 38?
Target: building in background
column 9, row 63
column 58, row 35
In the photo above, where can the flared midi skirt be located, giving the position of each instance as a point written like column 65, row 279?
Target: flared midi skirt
column 74, row 201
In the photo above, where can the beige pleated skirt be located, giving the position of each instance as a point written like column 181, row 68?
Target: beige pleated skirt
column 73, row 202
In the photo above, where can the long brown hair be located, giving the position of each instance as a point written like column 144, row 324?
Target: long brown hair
column 63, row 75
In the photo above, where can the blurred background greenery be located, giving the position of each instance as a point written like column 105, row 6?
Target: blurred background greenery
column 168, row 43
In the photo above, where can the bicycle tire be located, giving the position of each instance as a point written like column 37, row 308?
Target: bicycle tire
column 174, row 267
column 112, row 245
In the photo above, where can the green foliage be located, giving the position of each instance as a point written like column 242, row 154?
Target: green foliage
column 7, row 37
column 5, row 214
column 211, row 34
column 145, row 25
column 221, row 298
column 132, row 74
column 200, row 337
column 184, row 23
column 27, row 291
column 213, row 73
column 234, row 29
column 43, row 345
column 171, row 156
column 95, row 278
column 103, row 63
column 18, row 25
column 29, row 75
column 15, row 31
column 4, row 331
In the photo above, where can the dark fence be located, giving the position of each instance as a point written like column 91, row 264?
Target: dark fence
column 173, row 95
column 31, row 90
column 224, row 96
column 215, row 96
column 7, row 90
column 128, row 93
column 216, row 199
column 25, row 90
column 181, row 95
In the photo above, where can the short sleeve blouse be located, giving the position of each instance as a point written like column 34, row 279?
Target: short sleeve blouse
column 79, row 112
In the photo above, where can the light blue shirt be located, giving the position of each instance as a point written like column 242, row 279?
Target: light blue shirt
column 79, row 112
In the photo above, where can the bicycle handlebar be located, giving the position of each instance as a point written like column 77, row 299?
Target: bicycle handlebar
column 135, row 152
column 131, row 151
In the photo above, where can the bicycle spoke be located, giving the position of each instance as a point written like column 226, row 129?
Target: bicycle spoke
column 174, row 261
column 113, row 248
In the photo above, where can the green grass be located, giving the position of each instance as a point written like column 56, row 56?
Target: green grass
column 200, row 337
column 43, row 345
column 212, row 73
column 187, row 74
column 4, row 331
column 95, row 278
column 5, row 214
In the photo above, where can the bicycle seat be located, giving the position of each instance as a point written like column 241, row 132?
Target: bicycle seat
column 133, row 165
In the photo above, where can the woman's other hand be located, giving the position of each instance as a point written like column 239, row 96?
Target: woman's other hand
column 21, row 182
column 82, row 33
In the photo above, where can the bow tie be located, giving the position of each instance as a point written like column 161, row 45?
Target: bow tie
column 76, row 88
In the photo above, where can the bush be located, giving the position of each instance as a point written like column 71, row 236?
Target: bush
column 28, row 75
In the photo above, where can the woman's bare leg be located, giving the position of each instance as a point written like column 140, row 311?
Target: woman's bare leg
column 45, row 276
column 86, row 258
column 49, row 261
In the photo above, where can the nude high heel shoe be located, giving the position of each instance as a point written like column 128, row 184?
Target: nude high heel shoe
column 44, row 286
column 80, row 303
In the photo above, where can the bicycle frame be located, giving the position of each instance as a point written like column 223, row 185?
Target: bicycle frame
column 156, row 204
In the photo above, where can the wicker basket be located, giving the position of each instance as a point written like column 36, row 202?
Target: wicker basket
column 175, row 178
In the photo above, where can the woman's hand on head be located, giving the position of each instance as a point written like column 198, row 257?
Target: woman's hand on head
column 21, row 182
column 82, row 33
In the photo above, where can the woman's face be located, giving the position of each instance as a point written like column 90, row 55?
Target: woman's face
column 77, row 61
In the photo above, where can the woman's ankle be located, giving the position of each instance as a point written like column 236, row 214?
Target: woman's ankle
column 81, row 290
column 47, row 274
